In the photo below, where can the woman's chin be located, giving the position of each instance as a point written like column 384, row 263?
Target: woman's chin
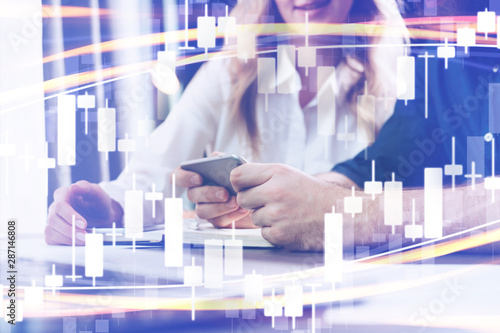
column 320, row 15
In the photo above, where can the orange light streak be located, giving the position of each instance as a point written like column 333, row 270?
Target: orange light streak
column 19, row 11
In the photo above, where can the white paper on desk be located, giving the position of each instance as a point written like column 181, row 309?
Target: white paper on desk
column 250, row 237
column 205, row 230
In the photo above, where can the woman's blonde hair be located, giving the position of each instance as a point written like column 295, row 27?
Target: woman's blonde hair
column 244, row 74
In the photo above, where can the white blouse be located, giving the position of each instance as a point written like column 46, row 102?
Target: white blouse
column 202, row 117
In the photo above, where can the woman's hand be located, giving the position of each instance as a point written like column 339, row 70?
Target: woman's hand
column 91, row 206
column 213, row 203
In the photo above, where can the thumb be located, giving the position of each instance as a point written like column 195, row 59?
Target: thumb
column 81, row 187
column 87, row 190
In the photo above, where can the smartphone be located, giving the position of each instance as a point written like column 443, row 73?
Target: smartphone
column 216, row 170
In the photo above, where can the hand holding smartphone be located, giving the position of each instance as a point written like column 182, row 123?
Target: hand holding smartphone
column 215, row 170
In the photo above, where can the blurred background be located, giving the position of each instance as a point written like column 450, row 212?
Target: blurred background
column 28, row 58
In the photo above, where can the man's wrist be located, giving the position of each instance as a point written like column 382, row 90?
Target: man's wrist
column 363, row 225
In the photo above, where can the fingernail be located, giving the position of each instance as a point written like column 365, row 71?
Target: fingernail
column 80, row 236
column 220, row 194
column 242, row 210
column 231, row 203
column 80, row 224
column 196, row 180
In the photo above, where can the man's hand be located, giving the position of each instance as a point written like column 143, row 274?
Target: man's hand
column 287, row 203
column 213, row 203
column 91, row 206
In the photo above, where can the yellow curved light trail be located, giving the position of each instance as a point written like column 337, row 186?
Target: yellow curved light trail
column 110, row 304
column 417, row 254
column 365, row 29
column 75, row 80
column 120, row 303
column 18, row 11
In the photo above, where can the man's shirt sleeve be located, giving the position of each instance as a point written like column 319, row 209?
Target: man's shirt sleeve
column 395, row 142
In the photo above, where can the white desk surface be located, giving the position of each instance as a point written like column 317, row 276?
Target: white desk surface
column 377, row 295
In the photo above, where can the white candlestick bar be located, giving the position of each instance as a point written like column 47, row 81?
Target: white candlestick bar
column 446, row 52
column 493, row 173
column 373, row 187
column 393, row 203
column 206, row 31
column 94, row 256
column 193, row 278
column 7, row 149
column 44, row 163
column 433, row 201
column 126, row 145
column 86, row 102
column 174, row 254
column 426, row 57
column 294, row 302
column 266, row 78
column 167, row 59
column 466, row 37
column 164, row 78
column 414, row 230
column 151, row 294
column 226, row 25
column 473, row 175
column 406, row 78
column 133, row 212
column 334, row 251
column 133, row 215
column 186, row 27
column 366, row 105
column 73, row 251
column 254, row 287
column 346, row 136
column 213, row 264
column 386, row 99
column 476, row 146
column 286, row 69
column 306, row 55
column 313, row 306
column 492, row 183
column 245, row 45
column 193, row 275
column 486, row 22
column 66, row 130
column 53, row 281
column 493, row 105
column 273, row 308
column 33, row 295
column 153, row 196
column 145, row 127
column 233, row 256
column 326, row 100
column 453, row 169
column 106, row 129
column 353, row 204
column 113, row 234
